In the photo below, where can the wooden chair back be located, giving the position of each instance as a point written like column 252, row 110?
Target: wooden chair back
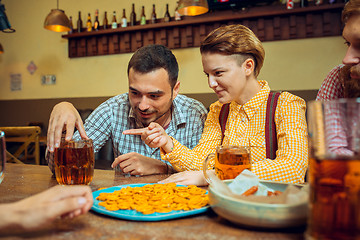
column 28, row 136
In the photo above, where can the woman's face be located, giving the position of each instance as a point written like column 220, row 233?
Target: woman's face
column 225, row 76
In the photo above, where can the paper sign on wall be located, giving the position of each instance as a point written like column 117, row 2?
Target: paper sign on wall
column 15, row 82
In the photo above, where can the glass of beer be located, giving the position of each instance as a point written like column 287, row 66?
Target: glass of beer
column 230, row 161
column 2, row 155
column 74, row 162
column 334, row 169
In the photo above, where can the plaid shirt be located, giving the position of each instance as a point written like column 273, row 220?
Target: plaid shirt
column 336, row 136
column 331, row 88
column 114, row 116
column 246, row 126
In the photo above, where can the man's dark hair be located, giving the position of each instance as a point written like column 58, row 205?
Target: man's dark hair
column 153, row 57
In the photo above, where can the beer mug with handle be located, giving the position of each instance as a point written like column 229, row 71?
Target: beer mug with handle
column 230, row 161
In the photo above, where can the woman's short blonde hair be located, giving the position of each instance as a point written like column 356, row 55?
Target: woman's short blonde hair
column 235, row 40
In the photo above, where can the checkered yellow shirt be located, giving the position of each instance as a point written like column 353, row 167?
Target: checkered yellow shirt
column 246, row 126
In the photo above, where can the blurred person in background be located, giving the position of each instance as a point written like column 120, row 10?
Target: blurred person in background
column 343, row 81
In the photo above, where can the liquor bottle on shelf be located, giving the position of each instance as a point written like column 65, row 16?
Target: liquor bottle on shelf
column 167, row 14
column 105, row 22
column 153, row 15
column 304, row 3
column 318, row 2
column 290, row 4
column 113, row 21
column 143, row 17
column 96, row 23
column 79, row 23
column 88, row 23
column 177, row 14
column 71, row 25
column 133, row 16
column 123, row 19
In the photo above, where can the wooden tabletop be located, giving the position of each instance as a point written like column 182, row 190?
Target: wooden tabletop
column 23, row 180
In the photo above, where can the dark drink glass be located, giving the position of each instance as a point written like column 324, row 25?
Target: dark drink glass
column 74, row 162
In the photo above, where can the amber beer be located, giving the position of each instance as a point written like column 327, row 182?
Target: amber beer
column 230, row 162
column 334, row 199
column 334, row 169
column 74, row 162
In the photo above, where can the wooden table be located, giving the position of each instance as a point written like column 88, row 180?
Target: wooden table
column 23, row 180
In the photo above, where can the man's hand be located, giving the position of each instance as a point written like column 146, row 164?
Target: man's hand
column 154, row 136
column 137, row 164
column 64, row 116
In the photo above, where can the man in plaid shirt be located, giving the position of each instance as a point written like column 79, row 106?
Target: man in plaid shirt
column 343, row 81
column 152, row 97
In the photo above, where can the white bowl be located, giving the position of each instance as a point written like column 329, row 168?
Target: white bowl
column 263, row 215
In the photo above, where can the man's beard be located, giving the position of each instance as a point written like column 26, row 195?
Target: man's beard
column 351, row 86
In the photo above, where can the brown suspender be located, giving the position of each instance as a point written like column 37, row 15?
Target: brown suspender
column 270, row 127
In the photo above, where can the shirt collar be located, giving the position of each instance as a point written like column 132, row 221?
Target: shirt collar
column 251, row 107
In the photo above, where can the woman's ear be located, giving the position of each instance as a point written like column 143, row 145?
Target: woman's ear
column 249, row 66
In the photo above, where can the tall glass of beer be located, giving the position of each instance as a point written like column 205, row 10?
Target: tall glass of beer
column 334, row 169
column 74, row 162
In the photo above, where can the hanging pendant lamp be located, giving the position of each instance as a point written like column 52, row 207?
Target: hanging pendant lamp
column 193, row 7
column 57, row 21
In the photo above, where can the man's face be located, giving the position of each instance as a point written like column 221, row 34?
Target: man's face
column 150, row 95
column 351, row 72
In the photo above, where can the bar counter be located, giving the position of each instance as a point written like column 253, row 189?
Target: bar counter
column 23, row 180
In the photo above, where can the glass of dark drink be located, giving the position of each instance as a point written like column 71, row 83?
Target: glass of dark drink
column 334, row 169
column 230, row 161
column 74, row 162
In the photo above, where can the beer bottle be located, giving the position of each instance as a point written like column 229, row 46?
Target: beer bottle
column 96, row 23
column 71, row 25
column 88, row 23
column 123, row 19
column 167, row 14
column 143, row 17
column 133, row 16
column 177, row 14
column 153, row 15
column 105, row 22
column 304, row 3
column 79, row 23
column 113, row 22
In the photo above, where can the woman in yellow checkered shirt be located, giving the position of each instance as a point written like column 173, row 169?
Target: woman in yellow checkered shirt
column 232, row 57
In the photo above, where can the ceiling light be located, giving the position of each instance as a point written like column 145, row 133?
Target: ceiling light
column 57, row 21
column 193, row 7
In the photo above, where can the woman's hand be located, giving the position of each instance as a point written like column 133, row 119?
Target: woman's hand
column 187, row 178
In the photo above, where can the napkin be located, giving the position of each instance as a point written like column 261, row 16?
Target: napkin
column 292, row 194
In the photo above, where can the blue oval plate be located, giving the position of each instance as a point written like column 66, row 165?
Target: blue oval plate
column 138, row 216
